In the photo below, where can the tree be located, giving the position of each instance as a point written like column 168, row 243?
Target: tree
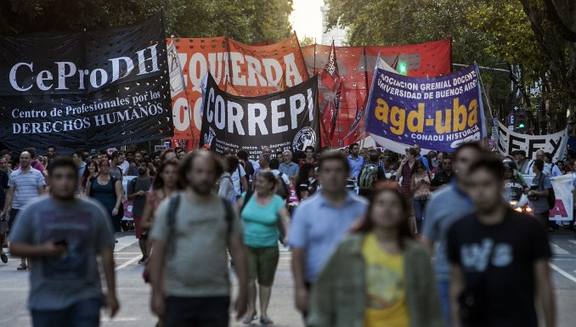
column 306, row 41
column 247, row 21
column 523, row 35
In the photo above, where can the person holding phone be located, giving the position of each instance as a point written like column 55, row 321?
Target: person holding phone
column 66, row 237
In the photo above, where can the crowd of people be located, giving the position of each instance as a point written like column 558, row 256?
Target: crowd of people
column 362, row 226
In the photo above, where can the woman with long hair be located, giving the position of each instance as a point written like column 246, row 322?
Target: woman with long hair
column 165, row 183
column 90, row 172
column 264, row 216
column 378, row 276
column 421, row 183
column 108, row 191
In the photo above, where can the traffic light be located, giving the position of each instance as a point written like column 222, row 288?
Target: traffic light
column 402, row 67
column 521, row 125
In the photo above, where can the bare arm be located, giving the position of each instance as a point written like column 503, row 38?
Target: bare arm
column 298, row 267
column 456, row 288
column 244, row 182
column 9, row 197
column 237, row 251
column 132, row 194
column 108, row 267
column 157, row 258
column 284, row 223
column 545, row 292
column 147, row 215
column 88, row 187
column 119, row 194
column 26, row 250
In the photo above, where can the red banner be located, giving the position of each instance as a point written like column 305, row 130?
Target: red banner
column 238, row 68
column 356, row 65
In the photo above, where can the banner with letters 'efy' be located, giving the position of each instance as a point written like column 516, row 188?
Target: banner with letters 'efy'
column 86, row 90
column 282, row 120
column 510, row 141
column 437, row 113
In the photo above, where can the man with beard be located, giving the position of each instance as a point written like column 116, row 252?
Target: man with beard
column 192, row 232
column 67, row 239
column 137, row 190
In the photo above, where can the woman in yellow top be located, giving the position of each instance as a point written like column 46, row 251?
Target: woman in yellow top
column 379, row 276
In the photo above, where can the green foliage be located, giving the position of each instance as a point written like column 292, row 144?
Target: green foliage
column 306, row 41
column 244, row 20
column 496, row 33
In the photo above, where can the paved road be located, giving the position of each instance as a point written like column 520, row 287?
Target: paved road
column 134, row 294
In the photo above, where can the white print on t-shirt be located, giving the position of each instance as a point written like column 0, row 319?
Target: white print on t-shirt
column 477, row 256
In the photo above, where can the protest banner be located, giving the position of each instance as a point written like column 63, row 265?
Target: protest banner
column 510, row 141
column 563, row 187
column 356, row 67
column 282, row 120
column 86, row 90
column 437, row 113
column 239, row 69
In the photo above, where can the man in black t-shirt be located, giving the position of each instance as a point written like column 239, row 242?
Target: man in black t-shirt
column 499, row 259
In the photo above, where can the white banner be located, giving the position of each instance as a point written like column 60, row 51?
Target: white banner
column 563, row 188
column 509, row 141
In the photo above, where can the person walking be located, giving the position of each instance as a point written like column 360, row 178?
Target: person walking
column 355, row 160
column 370, row 174
column 378, row 276
column 405, row 171
column 164, row 185
column 225, row 184
column 320, row 223
column 192, row 232
column 4, row 178
column 64, row 236
column 287, row 166
column 24, row 185
column 500, row 259
column 137, row 189
column 538, row 193
column 265, row 219
column 108, row 191
column 421, row 183
column 90, row 172
column 446, row 206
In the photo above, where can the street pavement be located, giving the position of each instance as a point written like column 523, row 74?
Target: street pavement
column 134, row 294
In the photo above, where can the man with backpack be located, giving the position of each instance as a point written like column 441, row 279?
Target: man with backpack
column 370, row 174
column 192, row 232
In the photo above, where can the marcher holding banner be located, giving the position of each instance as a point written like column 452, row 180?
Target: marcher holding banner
column 437, row 113
column 283, row 120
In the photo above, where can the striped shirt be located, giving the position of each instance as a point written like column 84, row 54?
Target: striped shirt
column 26, row 186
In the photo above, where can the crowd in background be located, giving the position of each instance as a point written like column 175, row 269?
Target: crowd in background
column 197, row 207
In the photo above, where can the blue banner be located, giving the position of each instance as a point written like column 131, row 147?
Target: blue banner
column 437, row 113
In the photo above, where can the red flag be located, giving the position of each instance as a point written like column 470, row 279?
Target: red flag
column 330, row 79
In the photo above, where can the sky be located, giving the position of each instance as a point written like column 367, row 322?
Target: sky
column 306, row 18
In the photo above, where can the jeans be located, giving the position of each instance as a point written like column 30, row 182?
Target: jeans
column 444, row 292
column 197, row 311
column 84, row 313
column 419, row 206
